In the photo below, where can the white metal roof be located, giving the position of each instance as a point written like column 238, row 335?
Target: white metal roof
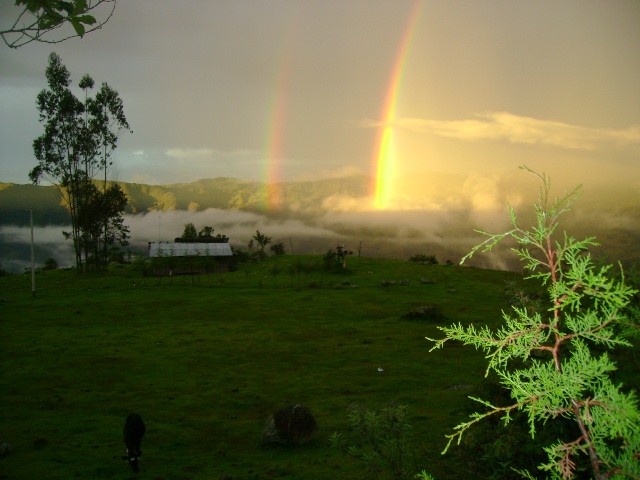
column 170, row 249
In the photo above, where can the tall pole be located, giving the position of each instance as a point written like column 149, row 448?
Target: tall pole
column 33, row 270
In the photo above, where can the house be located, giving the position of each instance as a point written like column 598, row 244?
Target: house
column 183, row 258
column 183, row 249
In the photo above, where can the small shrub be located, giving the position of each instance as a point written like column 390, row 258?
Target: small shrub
column 336, row 261
column 378, row 438
column 390, row 283
column 277, row 248
column 345, row 284
column 425, row 312
column 424, row 259
column 262, row 240
column 240, row 255
column 50, row 264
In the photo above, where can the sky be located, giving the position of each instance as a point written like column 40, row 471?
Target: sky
column 277, row 90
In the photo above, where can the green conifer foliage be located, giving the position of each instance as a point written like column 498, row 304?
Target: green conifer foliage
column 552, row 361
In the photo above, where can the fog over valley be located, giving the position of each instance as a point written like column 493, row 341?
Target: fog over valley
column 433, row 217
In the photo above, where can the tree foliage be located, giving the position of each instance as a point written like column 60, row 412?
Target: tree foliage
column 206, row 232
column 205, row 235
column 262, row 240
column 101, row 222
column 77, row 143
column 278, row 248
column 190, row 232
column 550, row 360
column 37, row 19
column 337, row 259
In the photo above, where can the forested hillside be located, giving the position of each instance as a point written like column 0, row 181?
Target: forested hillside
column 219, row 192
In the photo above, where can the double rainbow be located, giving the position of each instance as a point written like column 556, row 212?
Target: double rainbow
column 384, row 156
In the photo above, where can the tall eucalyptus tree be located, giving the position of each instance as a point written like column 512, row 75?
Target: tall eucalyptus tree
column 76, row 146
column 58, row 150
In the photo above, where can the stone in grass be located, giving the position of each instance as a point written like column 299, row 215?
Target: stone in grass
column 345, row 284
column 292, row 425
column 5, row 449
column 389, row 283
column 425, row 312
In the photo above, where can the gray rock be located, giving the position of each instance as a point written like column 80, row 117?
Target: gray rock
column 425, row 312
column 5, row 449
column 293, row 425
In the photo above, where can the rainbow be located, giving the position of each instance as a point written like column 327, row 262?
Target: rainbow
column 275, row 134
column 277, row 112
column 384, row 154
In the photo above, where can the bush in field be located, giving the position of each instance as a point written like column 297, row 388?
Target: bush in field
column 50, row 264
column 424, row 259
column 552, row 359
column 425, row 312
column 240, row 255
column 336, row 260
column 262, row 241
column 379, row 438
column 277, row 248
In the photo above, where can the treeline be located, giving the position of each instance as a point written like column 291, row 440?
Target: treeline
column 205, row 235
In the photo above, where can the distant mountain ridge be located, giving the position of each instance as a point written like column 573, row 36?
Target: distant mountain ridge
column 220, row 192
column 433, row 191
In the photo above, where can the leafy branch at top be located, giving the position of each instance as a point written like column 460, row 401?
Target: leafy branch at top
column 38, row 18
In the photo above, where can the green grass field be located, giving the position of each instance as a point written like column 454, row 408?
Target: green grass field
column 205, row 361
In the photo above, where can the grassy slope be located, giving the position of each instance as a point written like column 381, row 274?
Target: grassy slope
column 206, row 363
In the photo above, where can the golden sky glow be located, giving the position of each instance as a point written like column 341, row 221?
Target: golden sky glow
column 284, row 90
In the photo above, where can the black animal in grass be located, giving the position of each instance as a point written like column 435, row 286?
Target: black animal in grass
column 133, row 432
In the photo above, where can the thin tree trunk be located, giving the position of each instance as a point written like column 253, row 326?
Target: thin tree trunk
column 106, row 217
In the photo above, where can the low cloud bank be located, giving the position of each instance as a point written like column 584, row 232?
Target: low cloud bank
column 390, row 234
column 428, row 219
column 15, row 247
